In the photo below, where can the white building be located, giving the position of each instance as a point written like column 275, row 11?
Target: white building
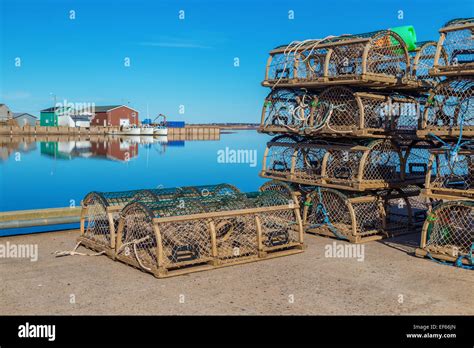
column 74, row 121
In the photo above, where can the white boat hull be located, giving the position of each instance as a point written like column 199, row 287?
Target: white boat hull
column 146, row 131
column 160, row 131
column 130, row 131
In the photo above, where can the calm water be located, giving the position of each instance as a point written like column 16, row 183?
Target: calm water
column 45, row 174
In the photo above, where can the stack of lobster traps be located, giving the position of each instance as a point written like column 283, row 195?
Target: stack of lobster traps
column 359, row 120
column 173, row 231
column 448, row 232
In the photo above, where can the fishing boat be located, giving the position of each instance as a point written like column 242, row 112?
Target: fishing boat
column 127, row 130
column 160, row 130
column 146, row 130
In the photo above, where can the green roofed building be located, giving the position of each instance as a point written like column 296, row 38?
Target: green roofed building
column 49, row 116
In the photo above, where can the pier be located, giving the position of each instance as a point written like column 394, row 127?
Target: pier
column 188, row 132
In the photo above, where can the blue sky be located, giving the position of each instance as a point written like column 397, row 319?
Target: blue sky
column 177, row 62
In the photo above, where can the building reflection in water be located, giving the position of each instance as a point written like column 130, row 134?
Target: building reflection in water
column 117, row 148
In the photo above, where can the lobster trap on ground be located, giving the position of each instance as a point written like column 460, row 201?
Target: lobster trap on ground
column 368, row 165
column 341, row 111
column 449, row 110
column 173, row 237
column 457, row 42
column 450, row 175
column 101, row 210
column 376, row 59
column 448, row 233
column 358, row 217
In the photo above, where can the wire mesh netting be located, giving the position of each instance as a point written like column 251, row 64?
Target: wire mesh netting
column 166, row 236
column 457, row 41
column 423, row 59
column 101, row 210
column 346, row 57
column 449, row 230
column 449, row 110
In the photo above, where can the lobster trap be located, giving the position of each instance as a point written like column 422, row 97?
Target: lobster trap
column 457, row 41
column 101, row 210
column 375, row 59
column 340, row 111
column 358, row 217
column 450, row 175
column 285, row 111
column 368, row 165
column 448, row 233
column 423, row 60
column 449, row 110
column 173, row 237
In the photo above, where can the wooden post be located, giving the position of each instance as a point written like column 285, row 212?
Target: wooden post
column 261, row 251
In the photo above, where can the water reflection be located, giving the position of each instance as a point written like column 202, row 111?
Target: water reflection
column 9, row 146
column 117, row 148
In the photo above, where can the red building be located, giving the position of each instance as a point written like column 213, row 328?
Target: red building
column 114, row 115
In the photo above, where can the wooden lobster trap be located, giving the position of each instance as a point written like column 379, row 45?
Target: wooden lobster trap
column 375, row 59
column 422, row 61
column 449, row 110
column 368, row 165
column 279, row 157
column 457, row 41
column 101, row 210
column 179, row 236
column 448, row 233
column 359, row 217
column 450, row 175
column 285, row 111
column 341, row 111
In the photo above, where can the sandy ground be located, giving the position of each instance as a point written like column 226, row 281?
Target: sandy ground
column 390, row 280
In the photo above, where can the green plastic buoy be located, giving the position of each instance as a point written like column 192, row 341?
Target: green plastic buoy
column 408, row 35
